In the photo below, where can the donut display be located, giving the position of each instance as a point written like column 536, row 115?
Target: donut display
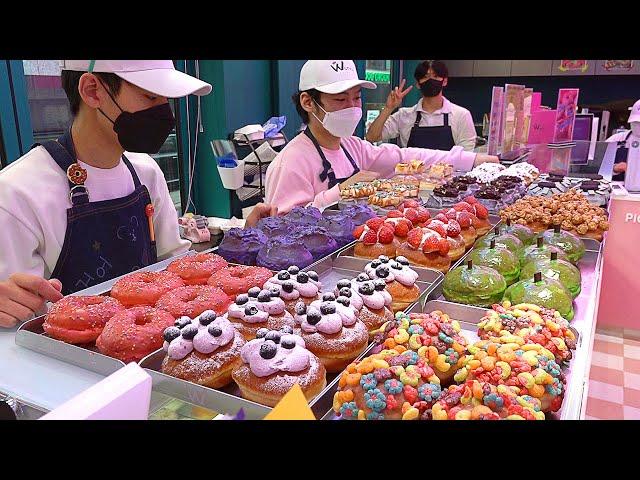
column 133, row 334
column 80, row 319
column 145, row 288
column 192, row 300
column 197, row 269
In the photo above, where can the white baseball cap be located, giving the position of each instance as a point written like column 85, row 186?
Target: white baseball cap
column 156, row 76
column 331, row 76
column 634, row 116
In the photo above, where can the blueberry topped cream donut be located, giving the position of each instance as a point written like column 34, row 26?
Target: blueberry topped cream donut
column 400, row 280
column 275, row 361
column 259, row 309
column 294, row 286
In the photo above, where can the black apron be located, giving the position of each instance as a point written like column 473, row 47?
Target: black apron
column 437, row 138
column 327, row 170
column 621, row 156
column 103, row 239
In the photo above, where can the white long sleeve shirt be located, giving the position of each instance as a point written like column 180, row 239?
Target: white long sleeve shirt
column 34, row 198
column 401, row 122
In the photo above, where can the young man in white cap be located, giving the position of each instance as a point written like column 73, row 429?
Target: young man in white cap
column 624, row 140
column 85, row 209
column 312, row 168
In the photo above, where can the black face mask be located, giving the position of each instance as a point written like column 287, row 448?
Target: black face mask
column 431, row 87
column 144, row 131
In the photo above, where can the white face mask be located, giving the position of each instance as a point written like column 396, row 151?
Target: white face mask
column 341, row 123
column 635, row 129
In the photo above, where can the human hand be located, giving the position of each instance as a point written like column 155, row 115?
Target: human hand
column 361, row 176
column 394, row 100
column 260, row 210
column 23, row 295
column 620, row 167
column 482, row 158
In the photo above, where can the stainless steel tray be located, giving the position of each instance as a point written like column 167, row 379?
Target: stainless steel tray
column 468, row 317
column 31, row 334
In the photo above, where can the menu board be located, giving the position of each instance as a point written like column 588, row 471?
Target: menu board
column 565, row 114
column 512, row 116
column 495, row 120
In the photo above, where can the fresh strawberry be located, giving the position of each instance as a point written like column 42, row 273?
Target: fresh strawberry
column 394, row 214
column 403, row 227
column 412, row 215
column 431, row 244
column 464, row 219
column 385, row 235
column 438, row 226
column 375, row 223
column 453, row 228
column 481, row 211
column 410, row 204
column 441, row 217
column 423, row 215
column 357, row 233
column 370, row 238
column 444, row 246
column 471, row 200
column 461, row 206
column 414, row 237
column 451, row 214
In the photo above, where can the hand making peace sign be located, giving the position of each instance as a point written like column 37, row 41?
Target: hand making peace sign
column 394, row 100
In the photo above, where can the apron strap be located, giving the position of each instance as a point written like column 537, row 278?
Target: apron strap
column 327, row 170
column 446, row 119
column 134, row 175
column 418, row 118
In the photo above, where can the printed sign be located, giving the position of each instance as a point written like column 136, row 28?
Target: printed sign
column 494, row 120
column 573, row 66
column 617, row 65
column 565, row 114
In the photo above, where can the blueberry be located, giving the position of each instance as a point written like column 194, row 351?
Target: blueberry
column 182, row 322
column 303, row 277
column 262, row 332
column 293, row 270
column 214, row 330
column 363, row 277
column 171, row 333
column 328, row 297
column 344, row 301
column 379, row 285
column 301, row 308
column 313, row 275
column 242, row 299
column 327, row 309
column 396, row 266
column 274, row 336
column 382, row 271
column 346, row 292
column 207, row 317
column 250, row 310
column 367, row 288
column 268, row 350
column 376, row 263
column 275, row 292
column 264, row 296
column 284, row 275
column 313, row 317
column 254, row 292
column 402, row 260
column 287, row 330
column 189, row 332
column 288, row 287
column 288, row 343
column 383, row 259
column 344, row 283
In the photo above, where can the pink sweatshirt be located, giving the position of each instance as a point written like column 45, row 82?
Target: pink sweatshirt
column 293, row 178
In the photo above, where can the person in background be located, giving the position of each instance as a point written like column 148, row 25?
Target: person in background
column 433, row 122
column 325, row 157
column 623, row 139
column 84, row 208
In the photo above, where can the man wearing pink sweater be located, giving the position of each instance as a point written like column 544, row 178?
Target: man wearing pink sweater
column 326, row 157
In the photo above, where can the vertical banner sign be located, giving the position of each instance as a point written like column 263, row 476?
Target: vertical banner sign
column 565, row 114
column 513, row 105
column 528, row 96
column 494, row 120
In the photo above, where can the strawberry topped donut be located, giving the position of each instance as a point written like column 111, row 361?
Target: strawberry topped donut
column 451, row 231
column 481, row 221
column 465, row 220
column 427, row 248
column 415, row 213
column 401, row 226
column 375, row 238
